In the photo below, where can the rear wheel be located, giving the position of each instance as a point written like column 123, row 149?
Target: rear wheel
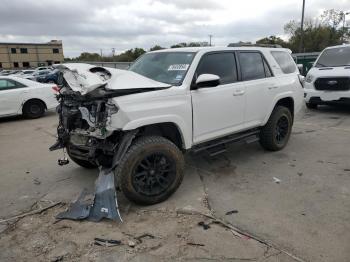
column 151, row 170
column 34, row 109
column 275, row 134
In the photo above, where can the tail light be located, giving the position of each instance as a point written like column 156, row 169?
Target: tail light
column 56, row 89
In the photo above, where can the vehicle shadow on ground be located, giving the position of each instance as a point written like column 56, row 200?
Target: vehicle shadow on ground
column 22, row 118
column 336, row 109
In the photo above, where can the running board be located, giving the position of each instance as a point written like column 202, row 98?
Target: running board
column 219, row 145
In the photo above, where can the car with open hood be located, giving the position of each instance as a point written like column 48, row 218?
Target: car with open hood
column 140, row 122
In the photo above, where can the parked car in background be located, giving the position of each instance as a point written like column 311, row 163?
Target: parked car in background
column 51, row 77
column 24, row 73
column 43, row 68
column 328, row 81
column 37, row 74
column 23, row 96
column 8, row 72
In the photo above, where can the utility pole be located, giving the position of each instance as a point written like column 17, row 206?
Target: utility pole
column 344, row 18
column 301, row 47
column 101, row 52
column 210, row 36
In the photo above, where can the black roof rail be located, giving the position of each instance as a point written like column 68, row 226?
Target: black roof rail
column 253, row 45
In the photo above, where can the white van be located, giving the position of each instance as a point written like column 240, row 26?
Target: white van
column 328, row 81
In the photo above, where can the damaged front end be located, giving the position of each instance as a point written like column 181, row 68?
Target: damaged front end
column 82, row 127
column 84, row 118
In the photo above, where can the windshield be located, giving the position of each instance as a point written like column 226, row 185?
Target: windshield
column 334, row 57
column 165, row 67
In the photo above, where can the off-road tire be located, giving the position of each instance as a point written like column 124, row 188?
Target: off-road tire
column 140, row 149
column 34, row 109
column 81, row 162
column 311, row 105
column 268, row 138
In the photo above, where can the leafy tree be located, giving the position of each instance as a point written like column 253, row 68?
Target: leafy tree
column 318, row 33
column 191, row 44
column 272, row 40
column 156, row 47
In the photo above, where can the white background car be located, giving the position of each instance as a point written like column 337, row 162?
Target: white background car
column 22, row 96
column 328, row 82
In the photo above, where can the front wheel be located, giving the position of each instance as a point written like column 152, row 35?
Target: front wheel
column 275, row 134
column 151, row 170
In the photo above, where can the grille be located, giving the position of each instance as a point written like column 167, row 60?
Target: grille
column 333, row 83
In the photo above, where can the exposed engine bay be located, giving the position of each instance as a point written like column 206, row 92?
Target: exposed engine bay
column 85, row 110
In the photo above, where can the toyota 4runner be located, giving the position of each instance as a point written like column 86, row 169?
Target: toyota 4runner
column 328, row 81
column 139, row 122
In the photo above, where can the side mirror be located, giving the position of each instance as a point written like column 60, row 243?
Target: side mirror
column 207, row 80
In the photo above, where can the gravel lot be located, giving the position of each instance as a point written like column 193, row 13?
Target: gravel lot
column 303, row 217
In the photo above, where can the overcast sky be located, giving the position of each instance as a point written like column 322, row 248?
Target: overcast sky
column 91, row 25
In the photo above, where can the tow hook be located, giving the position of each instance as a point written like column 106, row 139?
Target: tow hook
column 64, row 160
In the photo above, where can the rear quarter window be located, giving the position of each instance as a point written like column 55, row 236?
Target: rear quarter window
column 285, row 61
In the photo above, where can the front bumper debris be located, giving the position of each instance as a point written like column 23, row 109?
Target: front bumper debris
column 103, row 202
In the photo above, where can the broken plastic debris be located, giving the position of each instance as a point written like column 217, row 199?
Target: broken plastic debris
column 204, row 225
column 131, row 243
column 276, row 180
column 231, row 212
column 106, row 242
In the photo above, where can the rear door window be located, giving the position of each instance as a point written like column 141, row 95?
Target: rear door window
column 285, row 61
column 220, row 64
column 6, row 84
column 253, row 66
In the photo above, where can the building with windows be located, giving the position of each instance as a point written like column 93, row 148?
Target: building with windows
column 30, row 55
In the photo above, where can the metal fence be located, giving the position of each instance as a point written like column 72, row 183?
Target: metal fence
column 118, row 65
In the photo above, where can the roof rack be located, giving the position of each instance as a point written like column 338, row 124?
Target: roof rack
column 253, row 45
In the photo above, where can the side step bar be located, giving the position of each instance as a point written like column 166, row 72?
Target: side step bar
column 219, row 145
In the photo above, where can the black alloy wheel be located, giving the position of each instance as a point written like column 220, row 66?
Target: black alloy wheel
column 154, row 174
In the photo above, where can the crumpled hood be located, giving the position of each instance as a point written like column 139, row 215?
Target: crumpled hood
column 84, row 78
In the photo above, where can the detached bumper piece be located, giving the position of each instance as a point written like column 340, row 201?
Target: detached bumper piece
column 103, row 202
column 96, row 206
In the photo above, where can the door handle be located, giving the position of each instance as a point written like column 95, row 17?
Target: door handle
column 273, row 87
column 238, row 92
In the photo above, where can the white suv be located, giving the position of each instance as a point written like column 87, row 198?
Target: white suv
column 141, row 121
column 328, row 82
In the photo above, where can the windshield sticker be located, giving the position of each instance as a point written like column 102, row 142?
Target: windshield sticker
column 178, row 77
column 178, row 67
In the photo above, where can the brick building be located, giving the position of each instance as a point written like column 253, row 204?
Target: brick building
column 30, row 55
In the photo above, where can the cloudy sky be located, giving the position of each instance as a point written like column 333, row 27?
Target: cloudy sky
column 91, row 25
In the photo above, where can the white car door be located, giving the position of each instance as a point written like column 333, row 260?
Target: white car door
column 260, row 86
column 11, row 96
column 218, row 110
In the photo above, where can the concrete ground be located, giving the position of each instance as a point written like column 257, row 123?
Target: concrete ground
column 292, row 205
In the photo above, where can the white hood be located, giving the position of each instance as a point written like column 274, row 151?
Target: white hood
column 84, row 78
column 340, row 71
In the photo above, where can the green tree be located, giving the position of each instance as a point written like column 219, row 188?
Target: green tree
column 156, row 47
column 318, row 33
column 272, row 40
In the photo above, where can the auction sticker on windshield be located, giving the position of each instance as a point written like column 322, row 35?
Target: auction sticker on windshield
column 178, row 67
